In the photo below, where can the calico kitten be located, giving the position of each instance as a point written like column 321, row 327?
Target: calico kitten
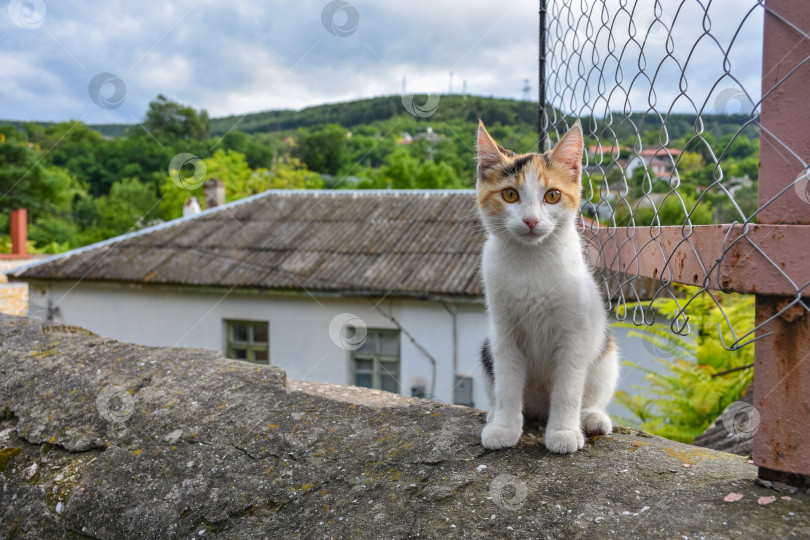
column 550, row 353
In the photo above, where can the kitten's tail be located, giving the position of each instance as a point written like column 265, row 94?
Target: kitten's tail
column 486, row 359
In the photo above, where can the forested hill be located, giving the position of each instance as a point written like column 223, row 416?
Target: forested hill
column 459, row 108
column 450, row 108
column 354, row 113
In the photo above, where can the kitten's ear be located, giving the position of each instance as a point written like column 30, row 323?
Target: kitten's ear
column 488, row 153
column 568, row 151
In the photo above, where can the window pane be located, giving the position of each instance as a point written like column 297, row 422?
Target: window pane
column 363, row 379
column 389, row 380
column 369, row 343
column 389, row 384
column 389, row 368
column 239, row 354
column 389, row 344
column 364, row 366
column 261, row 356
column 260, row 333
column 239, row 332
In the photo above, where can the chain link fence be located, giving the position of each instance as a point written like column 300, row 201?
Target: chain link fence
column 671, row 102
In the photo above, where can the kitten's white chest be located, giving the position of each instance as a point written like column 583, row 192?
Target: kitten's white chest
column 535, row 297
column 526, row 276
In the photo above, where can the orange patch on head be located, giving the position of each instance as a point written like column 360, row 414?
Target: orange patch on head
column 500, row 168
column 560, row 176
column 566, row 166
column 509, row 173
column 489, row 195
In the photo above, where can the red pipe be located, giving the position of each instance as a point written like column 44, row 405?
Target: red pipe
column 19, row 232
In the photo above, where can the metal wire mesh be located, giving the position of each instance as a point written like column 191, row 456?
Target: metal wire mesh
column 668, row 94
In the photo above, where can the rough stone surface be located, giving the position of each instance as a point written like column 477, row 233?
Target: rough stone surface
column 133, row 441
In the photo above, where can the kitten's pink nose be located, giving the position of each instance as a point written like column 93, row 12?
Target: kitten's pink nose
column 531, row 223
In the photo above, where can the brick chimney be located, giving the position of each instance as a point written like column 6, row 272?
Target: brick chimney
column 214, row 193
column 19, row 232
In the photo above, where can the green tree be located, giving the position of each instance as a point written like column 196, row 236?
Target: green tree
column 10, row 133
column 232, row 168
column 129, row 206
column 75, row 147
column 400, row 169
column 323, row 148
column 433, row 176
column 739, row 148
column 291, row 173
column 369, row 150
column 746, row 166
column 690, row 162
column 228, row 166
column 26, row 183
column 57, row 230
column 669, row 212
column 54, row 234
column 169, row 121
column 259, row 150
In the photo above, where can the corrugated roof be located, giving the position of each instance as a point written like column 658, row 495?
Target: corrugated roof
column 390, row 242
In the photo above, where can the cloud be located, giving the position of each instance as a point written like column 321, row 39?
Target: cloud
column 235, row 58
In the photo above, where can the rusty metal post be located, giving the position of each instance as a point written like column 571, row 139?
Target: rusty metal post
column 542, row 121
column 782, row 365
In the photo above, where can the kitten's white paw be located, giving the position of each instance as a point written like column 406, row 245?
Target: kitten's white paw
column 495, row 436
column 597, row 423
column 564, row 441
column 490, row 417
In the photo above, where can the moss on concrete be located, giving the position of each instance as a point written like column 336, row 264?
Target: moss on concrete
column 6, row 455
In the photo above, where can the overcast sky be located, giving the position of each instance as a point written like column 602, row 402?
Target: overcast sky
column 254, row 55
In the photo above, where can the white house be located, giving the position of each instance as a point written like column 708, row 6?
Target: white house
column 372, row 288
column 660, row 162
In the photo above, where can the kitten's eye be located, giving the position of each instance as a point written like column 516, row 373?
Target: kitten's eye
column 510, row 195
column 553, row 196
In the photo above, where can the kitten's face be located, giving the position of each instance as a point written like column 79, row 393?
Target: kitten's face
column 526, row 197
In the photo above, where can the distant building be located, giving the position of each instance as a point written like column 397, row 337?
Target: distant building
column 606, row 153
column 732, row 185
column 429, row 135
column 736, row 183
column 603, row 159
column 651, row 200
column 660, row 162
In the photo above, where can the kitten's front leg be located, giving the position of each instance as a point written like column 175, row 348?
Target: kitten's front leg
column 506, row 425
column 563, row 431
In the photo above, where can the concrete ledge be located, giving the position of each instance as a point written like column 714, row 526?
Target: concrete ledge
column 101, row 439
